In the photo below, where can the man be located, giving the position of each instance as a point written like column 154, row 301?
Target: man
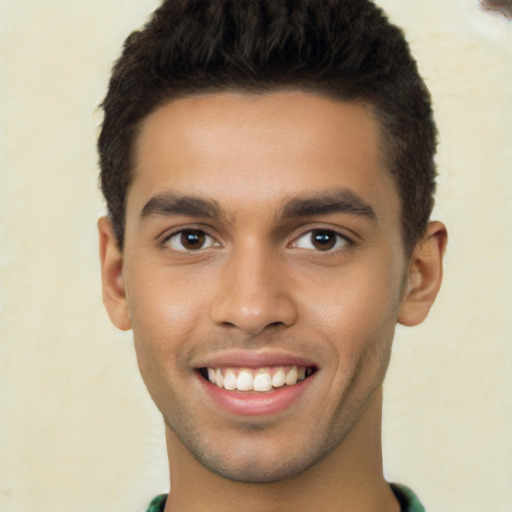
column 268, row 170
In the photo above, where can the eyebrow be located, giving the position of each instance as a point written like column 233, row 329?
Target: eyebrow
column 170, row 203
column 340, row 201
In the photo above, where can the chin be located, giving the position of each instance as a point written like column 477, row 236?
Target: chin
column 255, row 470
column 257, row 461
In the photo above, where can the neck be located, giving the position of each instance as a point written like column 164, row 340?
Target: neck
column 349, row 479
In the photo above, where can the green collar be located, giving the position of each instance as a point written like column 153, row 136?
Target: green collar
column 409, row 502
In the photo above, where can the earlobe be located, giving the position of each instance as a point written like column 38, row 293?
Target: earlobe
column 111, row 259
column 424, row 275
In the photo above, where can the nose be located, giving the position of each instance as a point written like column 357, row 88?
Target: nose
column 254, row 293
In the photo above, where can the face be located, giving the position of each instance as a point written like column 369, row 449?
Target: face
column 262, row 276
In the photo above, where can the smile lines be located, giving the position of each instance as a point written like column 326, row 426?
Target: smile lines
column 259, row 379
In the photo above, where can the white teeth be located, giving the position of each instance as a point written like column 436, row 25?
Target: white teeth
column 230, row 380
column 219, row 379
column 261, row 380
column 279, row 378
column 291, row 376
column 245, row 381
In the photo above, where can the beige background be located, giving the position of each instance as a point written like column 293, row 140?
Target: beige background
column 78, row 432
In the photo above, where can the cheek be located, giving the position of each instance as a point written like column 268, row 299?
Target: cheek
column 162, row 322
column 165, row 312
column 164, row 302
column 356, row 316
column 353, row 301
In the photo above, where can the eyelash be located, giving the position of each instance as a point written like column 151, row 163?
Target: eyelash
column 166, row 242
column 339, row 239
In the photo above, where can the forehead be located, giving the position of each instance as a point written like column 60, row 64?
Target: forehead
column 244, row 149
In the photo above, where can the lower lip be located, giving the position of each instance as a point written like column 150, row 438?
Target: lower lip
column 247, row 403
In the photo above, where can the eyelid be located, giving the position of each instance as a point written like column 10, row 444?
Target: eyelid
column 178, row 230
column 348, row 241
column 163, row 241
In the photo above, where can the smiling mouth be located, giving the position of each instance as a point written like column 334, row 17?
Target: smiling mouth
column 257, row 379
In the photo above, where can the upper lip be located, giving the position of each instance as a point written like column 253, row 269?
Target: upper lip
column 254, row 359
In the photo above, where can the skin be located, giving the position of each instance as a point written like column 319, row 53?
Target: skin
column 261, row 284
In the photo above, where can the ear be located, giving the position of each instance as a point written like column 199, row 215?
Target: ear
column 111, row 258
column 424, row 275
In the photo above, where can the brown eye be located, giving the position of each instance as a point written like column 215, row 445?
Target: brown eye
column 190, row 240
column 321, row 240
